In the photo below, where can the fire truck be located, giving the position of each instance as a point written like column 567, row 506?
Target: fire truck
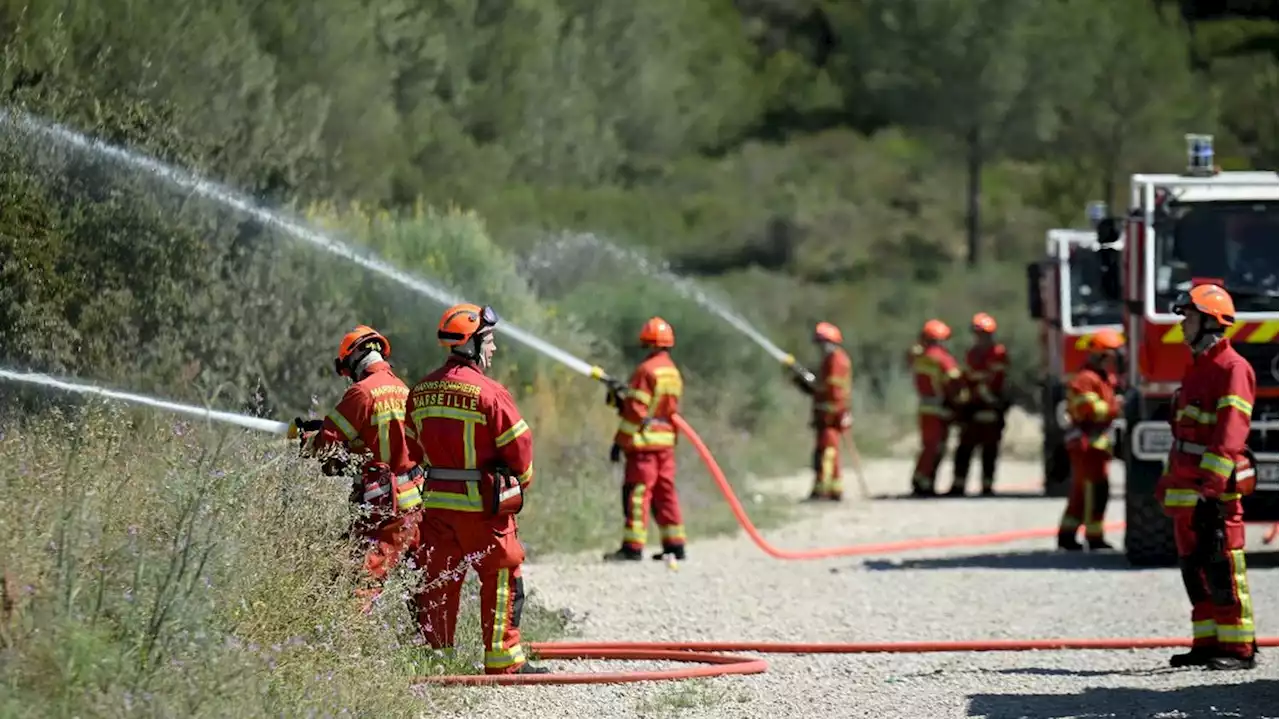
column 1202, row 226
column 1066, row 292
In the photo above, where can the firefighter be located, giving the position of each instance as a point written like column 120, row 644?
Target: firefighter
column 1092, row 407
column 1208, row 470
column 647, row 438
column 941, row 389
column 477, row 455
column 831, row 415
column 369, row 420
column 982, row 421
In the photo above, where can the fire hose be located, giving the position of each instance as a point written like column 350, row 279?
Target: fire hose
column 712, row 659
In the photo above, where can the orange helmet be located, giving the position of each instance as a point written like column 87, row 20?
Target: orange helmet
column 983, row 322
column 1105, row 340
column 355, row 344
column 827, row 332
column 657, row 332
column 462, row 323
column 936, row 330
column 1212, row 300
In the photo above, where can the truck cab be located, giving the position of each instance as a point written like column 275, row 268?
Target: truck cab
column 1071, row 294
column 1201, row 226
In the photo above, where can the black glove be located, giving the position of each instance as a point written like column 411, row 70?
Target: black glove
column 615, row 394
column 802, row 378
column 615, row 453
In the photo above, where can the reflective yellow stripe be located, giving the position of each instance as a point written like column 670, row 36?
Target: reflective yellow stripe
column 1264, row 334
column 1217, row 464
column 640, row 396
column 1243, row 632
column 526, row 475
column 672, row 531
column 1181, row 498
column 651, row 438
column 457, row 501
column 635, row 531
column 1196, row 415
column 347, row 429
column 510, row 435
column 1204, row 629
column 1237, row 402
column 1101, row 410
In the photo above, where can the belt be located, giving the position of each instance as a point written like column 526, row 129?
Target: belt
column 410, row 475
column 1190, row 447
column 454, row 475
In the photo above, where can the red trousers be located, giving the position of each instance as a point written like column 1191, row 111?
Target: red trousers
column 1210, row 544
column 449, row 541
column 983, row 432
column 933, row 440
column 650, row 481
column 826, row 463
column 386, row 543
column 1090, row 490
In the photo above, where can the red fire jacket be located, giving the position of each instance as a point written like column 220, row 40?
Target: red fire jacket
column 1092, row 406
column 652, row 397
column 939, row 382
column 459, row 419
column 831, row 394
column 1210, row 419
column 370, row 419
column 984, row 373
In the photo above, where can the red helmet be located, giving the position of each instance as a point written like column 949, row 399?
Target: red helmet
column 1105, row 340
column 827, row 332
column 1211, row 300
column 461, row 324
column 936, row 330
column 983, row 322
column 657, row 333
column 355, row 344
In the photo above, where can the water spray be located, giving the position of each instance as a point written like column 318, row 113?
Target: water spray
column 213, row 415
column 686, row 288
column 230, row 198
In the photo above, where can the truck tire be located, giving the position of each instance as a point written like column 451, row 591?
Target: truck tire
column 1057, row 470
column 1148, row 534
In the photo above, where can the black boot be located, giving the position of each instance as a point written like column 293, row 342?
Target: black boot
column 1097, row 544
column 677, row 552
column 1233, row 663
column 957, row 489
column 528, row 668
column 1197, row 657
column 624, row 554
column 1067, row 541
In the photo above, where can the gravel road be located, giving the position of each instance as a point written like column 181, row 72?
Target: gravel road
column 728, row 590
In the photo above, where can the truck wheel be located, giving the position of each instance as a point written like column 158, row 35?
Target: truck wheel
column 1057, row 471
column 1148, row 534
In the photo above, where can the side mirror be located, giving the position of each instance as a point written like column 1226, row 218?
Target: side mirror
column 1035, row 304
column 1110, row 265
column 1108, row 231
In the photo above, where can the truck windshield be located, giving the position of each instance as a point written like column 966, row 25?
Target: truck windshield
column 1089, row 305
column 1236, row 244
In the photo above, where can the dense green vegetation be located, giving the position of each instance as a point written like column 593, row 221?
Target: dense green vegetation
column 870, row 162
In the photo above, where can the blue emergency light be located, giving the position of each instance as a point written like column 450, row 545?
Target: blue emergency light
column 1096, row 210
column 1199, row 154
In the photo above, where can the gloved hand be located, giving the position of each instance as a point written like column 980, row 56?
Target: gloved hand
column 802, row 379
column 615, row 453
column 615, row 394
column 846, row 420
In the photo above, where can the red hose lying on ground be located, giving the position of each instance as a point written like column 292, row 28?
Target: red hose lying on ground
column 972, row 540
column 716, row 664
